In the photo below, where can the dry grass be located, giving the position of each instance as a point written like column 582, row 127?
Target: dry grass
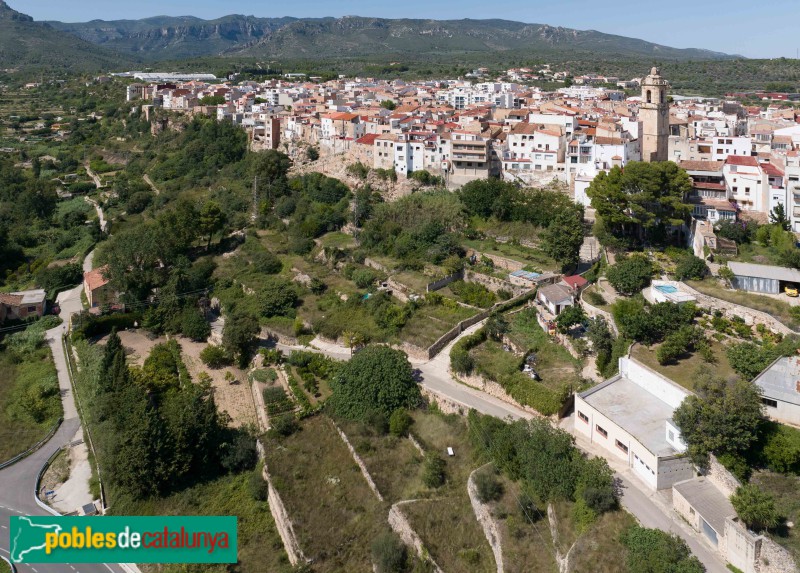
column 776, row 308
column 599, row 550
column 394, row 463
column 335, row 515
column 683, row 372
column 786, row 490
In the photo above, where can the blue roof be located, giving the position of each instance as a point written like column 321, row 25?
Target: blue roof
column 526, row 274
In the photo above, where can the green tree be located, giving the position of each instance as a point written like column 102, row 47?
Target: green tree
column 271, row 168
column 721, row 417
column 569, row 317
column 655, row 551
column 377, row 378
column 563, row 238
column 214, row 356
column 690, row 267
column 630, row 274
column 239, row 336
column 434, row 471
column 778, row 217
column 400, row 422
column 277, row 297
column 388, row 104
column 211, row 220
column 496, row 326
column 641, row 200
column 194, row 326
column 755, row 507
column 488, row 486
column 602, row 341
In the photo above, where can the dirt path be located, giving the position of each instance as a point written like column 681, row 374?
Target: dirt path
column 151, row 184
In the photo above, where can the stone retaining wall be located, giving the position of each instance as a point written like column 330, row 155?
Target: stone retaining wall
column 495, row 284
column 446, row 404
column 490, row 528
column 402, row 527
column 491, row 388
column 281, row 517
column 359, row 462
column 730, row 310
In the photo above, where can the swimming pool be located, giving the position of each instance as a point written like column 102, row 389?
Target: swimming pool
column 667, row 289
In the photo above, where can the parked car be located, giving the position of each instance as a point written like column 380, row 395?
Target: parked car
column 791, row 290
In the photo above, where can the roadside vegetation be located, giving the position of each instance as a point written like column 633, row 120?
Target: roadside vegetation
column 30, row 403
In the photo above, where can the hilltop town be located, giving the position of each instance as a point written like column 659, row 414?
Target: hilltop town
column 447, row 324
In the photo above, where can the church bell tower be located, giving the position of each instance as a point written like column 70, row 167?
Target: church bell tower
column 654, row 114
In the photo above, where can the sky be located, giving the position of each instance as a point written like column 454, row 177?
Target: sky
column 747, row 27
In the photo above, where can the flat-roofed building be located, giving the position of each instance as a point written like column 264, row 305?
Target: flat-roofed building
column 630, row 417
column 768, row 279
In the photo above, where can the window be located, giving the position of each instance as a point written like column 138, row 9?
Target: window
column 671, row 435
column 621, row 446
column 31, row 309
column 583, row 417
column 770, row 402
column 649, row 96
column 601, row 431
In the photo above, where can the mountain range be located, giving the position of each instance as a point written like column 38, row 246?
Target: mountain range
column 23, row 41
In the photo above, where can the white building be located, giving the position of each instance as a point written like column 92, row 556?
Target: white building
column 780, row 390
column 630, row 417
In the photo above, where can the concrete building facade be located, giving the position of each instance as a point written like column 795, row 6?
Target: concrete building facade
column 630, row 417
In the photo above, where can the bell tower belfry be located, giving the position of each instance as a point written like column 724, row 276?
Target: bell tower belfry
column 654, row 114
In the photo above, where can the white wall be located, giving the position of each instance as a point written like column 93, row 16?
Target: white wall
column 658, row 386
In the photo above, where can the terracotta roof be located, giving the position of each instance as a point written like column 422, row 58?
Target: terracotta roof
column 701, row 165
column 10, row 299
column 95, row 279
column 741, row 160
column 368, row 139
column 575, row 281
column 772, row 170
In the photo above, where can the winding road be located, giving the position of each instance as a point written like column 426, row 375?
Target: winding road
column 651, row 509
column 17, row 482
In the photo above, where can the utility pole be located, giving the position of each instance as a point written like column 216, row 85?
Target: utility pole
column 255, row 198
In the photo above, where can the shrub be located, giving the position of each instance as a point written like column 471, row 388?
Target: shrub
column 194, row 326
column 389, row 554
column 781, row 451
column 755, row 507
column 690, row 267
column 433, row 474
column 284, row 425
column 358, row 170
column 399, row 422
column 257, row 486
column 277, row 297
column 594, row 298
column 364, row 278
column 215, row 356
column 488, row 486
column 377, row 378
column 630, row 274
column 461, row 362
column 473, row 294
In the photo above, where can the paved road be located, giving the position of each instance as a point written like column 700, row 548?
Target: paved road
column 651, row 509
column 17, row 482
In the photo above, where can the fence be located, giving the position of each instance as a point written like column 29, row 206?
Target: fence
column 441, row 283
column 449, row 336
column 84, row 422
column 33, row 448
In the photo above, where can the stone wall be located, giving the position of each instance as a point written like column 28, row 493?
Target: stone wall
column 730, row 310
column 359, row 462
column 484, row 516
column 491, row 388
column 446, row 404
column 402, row 527
column 495, row 284
column 502, row 262
column 375, row 265
column 281, row 517
column 441, row 283
column 724, row 480
column 775, row 559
